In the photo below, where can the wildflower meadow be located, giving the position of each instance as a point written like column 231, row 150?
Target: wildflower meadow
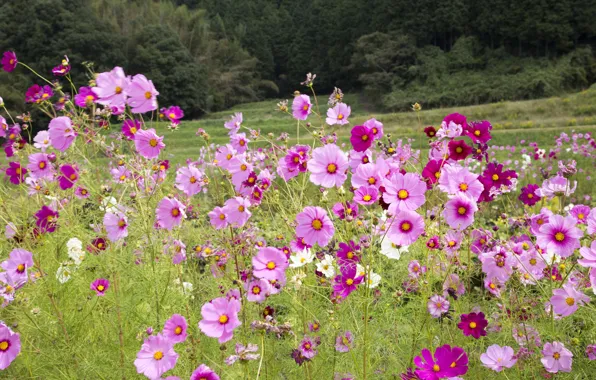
column 330, row 250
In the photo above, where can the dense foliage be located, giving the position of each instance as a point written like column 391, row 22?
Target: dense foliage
column 225, row 52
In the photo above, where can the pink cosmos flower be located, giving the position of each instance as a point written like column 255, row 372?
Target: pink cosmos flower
column 239, row 142
column 328, row 166
column 591, row 351
column 314, row 226
column 62, row 134
column 301, row 107
column 100, row 286
column 376, row 127
column 556, row 187
column 85, row 98
column 237, row 211
column 344, row 342
column 10, row 346
column 403, row 192
column 15, row 173
column 455, row 179
column 189, row 180
column 175, row 328
column 224, row 155
column 9, row 63
column 473, row 324
column 459, row 212
column 368, row 175
column 70, row 176
column 148, row 143
column 338, row 114
column 218, row 218
column 580, row 213
column 220, row 318
column 498, row 263
column 361, row 138
column 566, row 300
column 234, row 124
column 366, row 195
column 447, row 362
column 257, row 290
column 560, row 235
column 405, row 228
column 174, row 114
column 556, row 357
column 142, row 95
column 116, row 225
column 204, row 373
column 592, row 222
column 432, row 171
column 42, row 140
column 37, row 94
column 156, row 357
column 588, row 259
column 17, row 264
column 498, row 358
column 40, row 167
column 240, row 170
column 270, row 263
column 112, row 88
column 437, row 306
column 169, row 213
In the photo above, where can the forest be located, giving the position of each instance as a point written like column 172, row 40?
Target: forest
column 209, row 55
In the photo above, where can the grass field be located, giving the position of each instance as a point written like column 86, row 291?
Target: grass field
column 532, row 120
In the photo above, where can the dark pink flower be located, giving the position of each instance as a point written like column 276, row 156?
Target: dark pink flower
column 46, row 219
column 362, row 138
column 70, row 175
column 473, row 324
column 85, row 98
column 15, row 172
column 459, row 150
column 9, row 61
column 100, row 286
column 528, row 195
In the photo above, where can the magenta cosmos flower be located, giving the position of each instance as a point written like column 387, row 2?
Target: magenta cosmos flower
column 347, row 281
column 9, row 61
column 237, row 212
column 328, row 166
column 156, row 357
column 528, row 195
column 404, row 192
column 473, row 324
column 10, row 346
column 148, row 143
column 175, row 328
column 85, row 98
column 270, row 263
column 405, row 228
column 46, row 219
column 459, row 212
column 130, row 128
column 17, row 264
column 566, row 300
column 174, row 114
column 220, row 318
column 112, row 88
column 338, row 114
column 560, row 235
column 70, row 175
column 15, row 173
column 479, row 131
column 362, row 138
column 556, row 357
column 116, row 225
column 314, row 226
column 301, row 107
column 498, row 358
column 170, row 212
column 142, row 95
column 62, row 134
column 459, row 150
column 100, row 286
column 447, row 362
column 204, row 373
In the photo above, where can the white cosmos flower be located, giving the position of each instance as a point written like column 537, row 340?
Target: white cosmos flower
column 74, row 243
column 373, row 279
column 302, row 258
column 297, row 280
column 64, row 273
column 326, row 267
column 391, row 250
column 109, row 204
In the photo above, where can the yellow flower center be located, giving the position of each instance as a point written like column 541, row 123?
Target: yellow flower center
column 451, row 243
column 350, row 254
column 223, row 319
column 570, row 301
column 4, row 345
column 118, row 90
column 364, row 137
column 462, row 210
column 317, row 224
column 256, row 290
column 100, row 288
column 21, row 268
column 153, row 143
column 175, row 212
column 42, row 165
column 495, row 177
column 305, row 107
column 178, row 330
column 530, row 196
column 556, row 356
column 436, row 368
column 402, row 194
column 340, row 116
column 89, row 99
column 559, row 236
column 349, row 281
column 453, row 365
column 122, row 177
column 158, row 355
column 73, row 177
column 580, row 216
column 405, row 226
column 331, row 168
column 473, row 325
column 270, row 265
column 193, row 180
column 463, row 186
column 532, row 261
column 148, row 95
column 459, row 149
column 372, row 180
column 437, row 175
column 243, row 167
column 241, row 208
